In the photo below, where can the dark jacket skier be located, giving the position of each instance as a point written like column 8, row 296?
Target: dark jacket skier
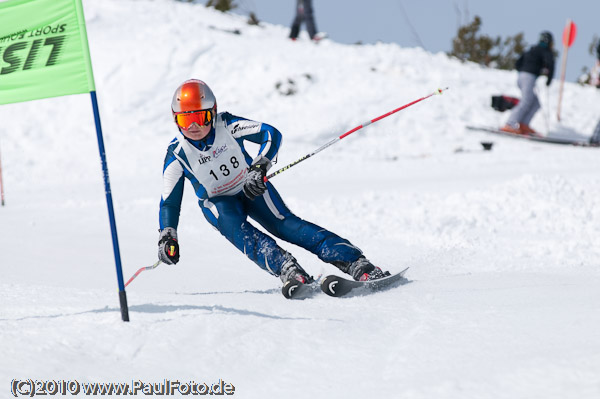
column 595, row 72
column 538, row 60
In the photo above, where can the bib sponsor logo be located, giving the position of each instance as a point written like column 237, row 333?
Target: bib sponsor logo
column 203, row 159
column 237, row 128
column 218, row 151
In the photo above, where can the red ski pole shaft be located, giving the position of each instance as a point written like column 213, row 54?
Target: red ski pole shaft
column 141, row 269
column 349, row 132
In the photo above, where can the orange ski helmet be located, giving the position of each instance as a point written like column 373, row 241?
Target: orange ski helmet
column 191, row 97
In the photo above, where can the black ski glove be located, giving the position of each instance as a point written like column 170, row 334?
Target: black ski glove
column 168, row 248
column 254, row 185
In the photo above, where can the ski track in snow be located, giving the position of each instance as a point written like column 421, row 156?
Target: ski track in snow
column 502, row 245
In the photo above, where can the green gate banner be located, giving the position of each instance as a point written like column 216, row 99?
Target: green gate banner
column 43, row 50
column 44, row 53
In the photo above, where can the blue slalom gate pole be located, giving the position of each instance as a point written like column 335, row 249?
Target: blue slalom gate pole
column 111, row 212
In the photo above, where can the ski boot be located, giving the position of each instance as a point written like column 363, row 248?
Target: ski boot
column 363, row 270
column 512, row 129
column 526, row 129
column 294, row 277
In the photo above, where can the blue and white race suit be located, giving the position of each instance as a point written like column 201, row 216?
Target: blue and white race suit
column 217, row 166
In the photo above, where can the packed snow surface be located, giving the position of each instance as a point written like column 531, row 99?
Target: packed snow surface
column 503, row 245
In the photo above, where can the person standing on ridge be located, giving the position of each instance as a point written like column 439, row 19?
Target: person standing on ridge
column 304, row 13
column 538, row 60
column 230, row 185
column 595, row 72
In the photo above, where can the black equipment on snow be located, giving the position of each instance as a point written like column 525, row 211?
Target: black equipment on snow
column 501, row 103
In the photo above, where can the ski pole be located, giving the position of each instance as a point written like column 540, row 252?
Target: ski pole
column 547, row 111
column 542, row 108
column 154, row 266
column 349, row 132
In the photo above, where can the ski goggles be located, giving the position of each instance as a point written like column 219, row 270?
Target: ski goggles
column 185, row 119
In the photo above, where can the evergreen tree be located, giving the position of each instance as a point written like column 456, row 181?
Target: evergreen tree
column 508, row 51
column 222, row 5
column 470, row 45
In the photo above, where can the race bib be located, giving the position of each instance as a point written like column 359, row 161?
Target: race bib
column 221, row 169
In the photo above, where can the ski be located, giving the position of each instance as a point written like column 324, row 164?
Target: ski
column 338, row 286
column 536, row 138
column 293, row 289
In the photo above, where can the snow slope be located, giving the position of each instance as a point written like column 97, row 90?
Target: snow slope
column 504, row 299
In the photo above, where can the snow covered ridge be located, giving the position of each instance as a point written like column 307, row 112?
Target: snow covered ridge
column 137, row 72
column 502, row 245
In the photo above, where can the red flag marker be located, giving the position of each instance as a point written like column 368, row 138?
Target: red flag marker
column 569, row 34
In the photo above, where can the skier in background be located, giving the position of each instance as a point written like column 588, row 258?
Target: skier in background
column 595, row 72
column 209, row 151
column 304, row 13
column 595, row 139
column 595, row 75
column 538, row 60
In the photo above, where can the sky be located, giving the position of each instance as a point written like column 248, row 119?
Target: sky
column 432, row 24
